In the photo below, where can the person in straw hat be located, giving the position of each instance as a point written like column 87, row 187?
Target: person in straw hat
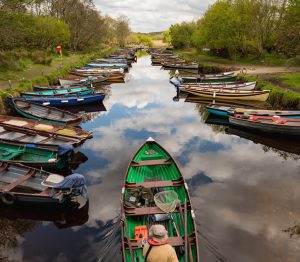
column 157, row 249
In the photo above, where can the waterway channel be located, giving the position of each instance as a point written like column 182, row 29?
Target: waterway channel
column 245, row 190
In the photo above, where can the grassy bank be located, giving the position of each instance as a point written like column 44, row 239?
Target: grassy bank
column 49, row 75
column 279, row 98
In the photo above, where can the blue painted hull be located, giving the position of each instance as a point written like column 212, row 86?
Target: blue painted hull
column 68, row 101
column 218, row 112
column 92, row 65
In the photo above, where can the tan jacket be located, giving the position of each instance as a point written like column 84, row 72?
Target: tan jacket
column 164, row 253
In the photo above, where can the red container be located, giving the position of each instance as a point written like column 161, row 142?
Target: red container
column 140, row 232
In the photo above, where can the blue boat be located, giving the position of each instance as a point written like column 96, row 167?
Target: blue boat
column 220, row 110
column 74, row 91
column 114, row 65
column 67, row 101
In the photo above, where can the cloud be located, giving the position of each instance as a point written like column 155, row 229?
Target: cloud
column 154, row 15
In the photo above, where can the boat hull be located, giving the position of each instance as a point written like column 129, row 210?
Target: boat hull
column 284, row 130
column 154, row 164
column 251, row 96
column 68, row 101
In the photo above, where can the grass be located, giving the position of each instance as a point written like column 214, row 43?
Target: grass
column 279, row 98
column 50, row 74
column 292, row 80
column 32, row 70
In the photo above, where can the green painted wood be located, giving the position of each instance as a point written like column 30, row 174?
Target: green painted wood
column 12, row 152
column 167, row 172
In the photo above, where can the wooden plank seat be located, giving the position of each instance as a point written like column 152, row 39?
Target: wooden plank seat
column 141, row 211
column 173, row 241
column 151, row 162
column 19, row 181
column 155, row 184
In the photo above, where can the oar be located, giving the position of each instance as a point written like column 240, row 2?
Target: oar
column 127, row 234
column 185, row 231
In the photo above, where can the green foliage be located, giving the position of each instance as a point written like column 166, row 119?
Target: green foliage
column 181, row 34
column 18, row 30
column 292, row 80
column 244, row 28
column 41, row 57
column 279, row 98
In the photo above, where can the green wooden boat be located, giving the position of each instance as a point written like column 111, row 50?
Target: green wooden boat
column 73, row 91
column 32, row 156
column 152, row 172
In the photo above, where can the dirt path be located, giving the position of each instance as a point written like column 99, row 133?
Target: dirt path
column 257, row 69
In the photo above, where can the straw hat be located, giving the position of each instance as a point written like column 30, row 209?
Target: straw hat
column 158, row 233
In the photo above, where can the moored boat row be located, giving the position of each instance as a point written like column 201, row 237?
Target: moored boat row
column 227, row 87
column 46, row 137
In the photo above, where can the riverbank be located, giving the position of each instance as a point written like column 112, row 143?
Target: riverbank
column 42, row 74
column 283, row 81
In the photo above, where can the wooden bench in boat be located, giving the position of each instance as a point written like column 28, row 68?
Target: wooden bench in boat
column 155, row 184
column 173, row 241
column 151, row 162
column 19, row 181
column 141, row 211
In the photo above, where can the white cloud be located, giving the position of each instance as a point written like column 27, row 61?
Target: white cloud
column 154, row 15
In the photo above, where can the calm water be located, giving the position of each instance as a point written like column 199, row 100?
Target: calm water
column 244, row 193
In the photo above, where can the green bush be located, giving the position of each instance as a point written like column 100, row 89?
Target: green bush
column 41, row 57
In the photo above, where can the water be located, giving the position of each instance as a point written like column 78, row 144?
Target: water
column 244, row 193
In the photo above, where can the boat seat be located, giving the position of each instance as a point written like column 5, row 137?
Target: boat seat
column 141, row 211
column 155, row 184
column 151, row 162
column 19, row 181
column 173, row 241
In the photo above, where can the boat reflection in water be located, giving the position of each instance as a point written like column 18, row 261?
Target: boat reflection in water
column 88, row 112
column 62, row 217
column 272, row 142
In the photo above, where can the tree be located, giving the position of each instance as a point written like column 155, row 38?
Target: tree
column 122, row 30
column 181, row 34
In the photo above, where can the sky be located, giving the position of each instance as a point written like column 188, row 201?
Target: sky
column 153, row 15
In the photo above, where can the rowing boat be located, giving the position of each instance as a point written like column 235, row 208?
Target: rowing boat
column 44, row 113
column 48, row 129
column 180, row 65
column 31, row 155
column 68, row 92
column 230, row 94
column 247, row 86
column 68, row 101
column 268, row 124
column 227, row 110
column 19, row 183
column 106, row 65
column 207, row 78
column 77, row 80
column 154, row 173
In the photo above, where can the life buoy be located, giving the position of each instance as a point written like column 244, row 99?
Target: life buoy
column 8, row 198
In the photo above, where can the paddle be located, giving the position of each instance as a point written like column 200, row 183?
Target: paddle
column 185, row 232
column 187, row 243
